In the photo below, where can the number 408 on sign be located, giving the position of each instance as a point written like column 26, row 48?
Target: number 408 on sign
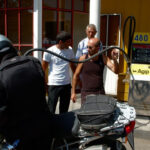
column 141, row 38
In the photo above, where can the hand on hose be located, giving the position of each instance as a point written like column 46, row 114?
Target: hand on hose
column 114, row 54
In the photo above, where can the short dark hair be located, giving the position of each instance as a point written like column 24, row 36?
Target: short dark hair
column 63, row 36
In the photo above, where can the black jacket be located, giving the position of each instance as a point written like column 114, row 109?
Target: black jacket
column 22, row 98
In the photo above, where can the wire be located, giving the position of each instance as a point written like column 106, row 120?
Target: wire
column 76, row 61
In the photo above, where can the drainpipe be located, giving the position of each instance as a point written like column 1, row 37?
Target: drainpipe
column 37, row 28
column 94, row 16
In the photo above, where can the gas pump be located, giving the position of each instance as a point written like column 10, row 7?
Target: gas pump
column 139, row 87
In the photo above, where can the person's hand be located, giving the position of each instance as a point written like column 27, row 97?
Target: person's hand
column 73, row 97
column 114, row 54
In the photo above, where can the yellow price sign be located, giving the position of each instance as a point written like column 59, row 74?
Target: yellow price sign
column 140, row 69
column 141, row 37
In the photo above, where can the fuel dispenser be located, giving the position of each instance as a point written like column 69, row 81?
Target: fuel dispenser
column 139, row 87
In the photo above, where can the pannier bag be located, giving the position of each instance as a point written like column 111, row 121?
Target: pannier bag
column 96, row 112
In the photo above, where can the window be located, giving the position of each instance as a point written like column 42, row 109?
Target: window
column 26, row 3
column 114, row 28
column 103, row 29
column 79, row 28
column 12, row 25
column 2, row 22
column 57, row 16
column 79, row 5
column 26, row 25
column 65, row 21
column 12, row 3
column 110, row 30
column 2, row 3
column 16, row 21
column 49, row 26
column 50, row 3
column 65, row 4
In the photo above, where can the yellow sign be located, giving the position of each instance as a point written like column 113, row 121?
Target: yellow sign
column 141, row 37
column 140, row 69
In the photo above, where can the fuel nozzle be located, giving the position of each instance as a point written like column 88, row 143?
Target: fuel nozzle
column 127, row 76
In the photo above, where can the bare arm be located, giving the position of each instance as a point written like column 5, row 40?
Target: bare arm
column 72, row 66
column 112, row 66
column 76, row 78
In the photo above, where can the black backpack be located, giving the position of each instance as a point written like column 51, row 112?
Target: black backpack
column 22, row 90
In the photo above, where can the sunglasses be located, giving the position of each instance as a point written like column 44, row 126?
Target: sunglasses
column 89, row 47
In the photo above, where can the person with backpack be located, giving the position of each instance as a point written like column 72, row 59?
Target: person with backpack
column 24, row 114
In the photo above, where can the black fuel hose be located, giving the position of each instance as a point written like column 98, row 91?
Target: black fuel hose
column 132, row 26
column 76, row 61
column 126, row 55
